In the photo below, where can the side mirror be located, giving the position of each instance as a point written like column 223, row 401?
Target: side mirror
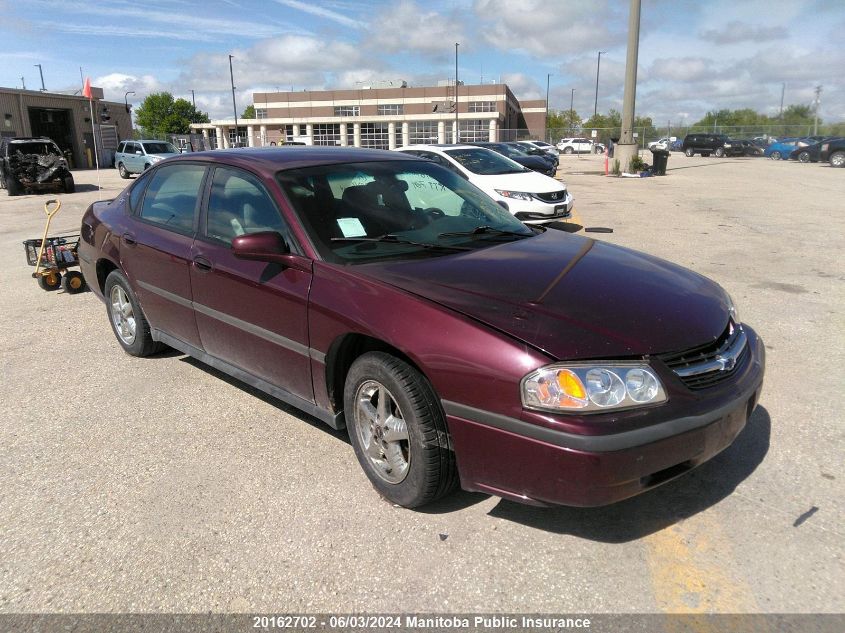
column 268, row 246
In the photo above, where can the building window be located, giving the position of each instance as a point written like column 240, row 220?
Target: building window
column 375, row 135
column 391, row 108
column 347, row 110
column 482, row 106
column 237, row 137
column 260, row 113
column 474, row 130
column 327, row 134
column 288, row 133
column 422, row 132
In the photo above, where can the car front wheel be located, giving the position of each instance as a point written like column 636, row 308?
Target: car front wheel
column 837, row 159
column 776, row 155
column 719, row 152
column 128, row 322
column 398, row 430
column 567, row 150
column 804, row 157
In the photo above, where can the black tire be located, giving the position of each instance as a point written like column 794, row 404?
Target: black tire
column 121, row 169
column 776, row 155
column 837, row 159
column 142, row 343
column 50, row 281
column 13, row 188
column 804, row 157
column 568, row 150
column 720, row 151
column 689, row 152
column 431, row 471
column 73, row 282
column 68, row 186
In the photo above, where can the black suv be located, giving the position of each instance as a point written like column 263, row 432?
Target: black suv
column 33, row 164
column 704, row 144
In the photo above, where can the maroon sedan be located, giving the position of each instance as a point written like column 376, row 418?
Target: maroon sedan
column 385, row 294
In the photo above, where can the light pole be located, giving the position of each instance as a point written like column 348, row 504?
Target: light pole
column 818, row 92
column 234, row 105
column 571, row 110
column 41, row 72
column 546, row 124
column 126, row 100
column 598, row 69
column 457, row 125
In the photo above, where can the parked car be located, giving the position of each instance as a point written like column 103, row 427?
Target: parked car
column 543, row 165
column 575, row 146
column 811, row 153
column 705, row 144
column 389, row 296
column 546, row 147
column 781, row 149
column 833, row 152
column 33, row 164
column 533, row 150
column 677, row 145
column 133, row 157
column 746, row 148
column 531, row 197
column 661, row 143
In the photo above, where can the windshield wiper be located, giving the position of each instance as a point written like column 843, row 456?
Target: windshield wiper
column 389, row 238
column 482, row 230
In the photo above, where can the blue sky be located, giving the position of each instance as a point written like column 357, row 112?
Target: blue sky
column 694, row 56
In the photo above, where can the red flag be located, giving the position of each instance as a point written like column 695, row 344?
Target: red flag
column 86, row 91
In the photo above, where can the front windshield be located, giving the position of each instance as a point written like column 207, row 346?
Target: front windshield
column 359, row 212
column 160, row 148
column 36, row 147
column 485, row 162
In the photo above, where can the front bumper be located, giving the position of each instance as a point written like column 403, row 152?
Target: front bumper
column 537, row 465
column 539, row 211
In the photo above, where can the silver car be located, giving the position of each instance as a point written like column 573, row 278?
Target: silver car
column 133, row 157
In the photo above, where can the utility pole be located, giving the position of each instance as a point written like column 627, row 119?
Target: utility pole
column 818, row 92
column 546, row 134
column 598, row 68
column 193, row 100
column 627, row 143
column 457, row 124
column 571, row 110
column 41, row 72
column 234, row 105
column 23, row 84
column 782, row 92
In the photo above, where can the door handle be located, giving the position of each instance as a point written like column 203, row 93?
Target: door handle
column 202, row 264
column 129, row 239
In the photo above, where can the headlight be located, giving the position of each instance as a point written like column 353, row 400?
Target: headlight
column 592, row 387
column 515, row 195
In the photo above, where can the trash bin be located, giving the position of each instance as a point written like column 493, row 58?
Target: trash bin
column 659, row 161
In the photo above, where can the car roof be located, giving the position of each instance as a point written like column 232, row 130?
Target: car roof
column 272, row 159
column 440, row 146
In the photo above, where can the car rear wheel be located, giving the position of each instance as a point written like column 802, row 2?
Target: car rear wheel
column 776, row 155
column 720, row 151
column 689, row 152
column 804, row 157
column 121, row 168
column 398, row 430
column 837, row 159
column 128, row 322
column 567, row 150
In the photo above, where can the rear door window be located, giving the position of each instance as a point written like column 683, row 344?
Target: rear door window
column 172, row 195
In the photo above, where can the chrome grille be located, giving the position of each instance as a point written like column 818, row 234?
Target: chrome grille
column 712, row 363
column 552, row 196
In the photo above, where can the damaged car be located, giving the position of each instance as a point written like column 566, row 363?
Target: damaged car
column 33, row 165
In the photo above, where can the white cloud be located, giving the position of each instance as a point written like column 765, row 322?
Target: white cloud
column 334, row 16
column 735, row 32
column 405, row 27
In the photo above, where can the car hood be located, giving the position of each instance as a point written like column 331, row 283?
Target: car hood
column 570, row 296
column 529, row 181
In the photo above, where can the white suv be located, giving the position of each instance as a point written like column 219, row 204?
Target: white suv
column 532, row 197
column 575, row 146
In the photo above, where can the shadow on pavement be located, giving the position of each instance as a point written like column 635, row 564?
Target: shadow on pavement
column 659, row 508
column 716, row 161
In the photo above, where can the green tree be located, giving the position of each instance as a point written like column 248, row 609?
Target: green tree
column 563, row 122
column 249, row 112
column 161, row 114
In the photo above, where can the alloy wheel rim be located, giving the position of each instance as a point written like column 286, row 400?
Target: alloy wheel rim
column 382, row 431
column 122, row 315
column 839, row 160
